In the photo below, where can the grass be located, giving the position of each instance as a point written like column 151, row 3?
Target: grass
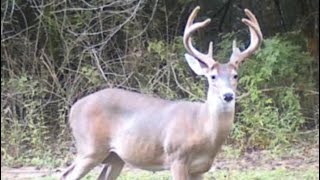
column 278, row 174
column 281, row 163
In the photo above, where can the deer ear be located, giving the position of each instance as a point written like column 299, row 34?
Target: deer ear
column 197, row 67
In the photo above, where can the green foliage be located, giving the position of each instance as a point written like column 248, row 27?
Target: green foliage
column 91, row 74
column 169, row 76
column 47, row 64
column 225, row 46
column 24, row 116
column 270, row 110
column 159, row 48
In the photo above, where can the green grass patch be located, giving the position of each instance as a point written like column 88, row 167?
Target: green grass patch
column 278, row 174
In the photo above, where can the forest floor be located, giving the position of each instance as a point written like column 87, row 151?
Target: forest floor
column 282, row 164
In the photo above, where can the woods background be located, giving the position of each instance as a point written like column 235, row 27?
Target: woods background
column 54, row 52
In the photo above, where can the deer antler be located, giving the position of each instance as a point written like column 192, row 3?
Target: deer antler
column 187, row 40
column 237, row 56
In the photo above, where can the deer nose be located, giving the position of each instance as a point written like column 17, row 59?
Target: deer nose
column 228, row 97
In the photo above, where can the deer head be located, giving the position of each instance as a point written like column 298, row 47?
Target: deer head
column 222, row 78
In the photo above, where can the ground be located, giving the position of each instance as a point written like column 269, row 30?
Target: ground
column 282, row 164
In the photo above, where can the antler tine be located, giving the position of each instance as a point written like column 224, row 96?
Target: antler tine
column 255, row 23
column 210, row 50
column 187, row 39
column 255, row 39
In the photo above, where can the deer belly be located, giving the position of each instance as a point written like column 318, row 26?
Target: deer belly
column 143, row 153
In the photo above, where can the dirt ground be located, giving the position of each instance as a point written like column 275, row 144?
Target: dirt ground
column 305, row 159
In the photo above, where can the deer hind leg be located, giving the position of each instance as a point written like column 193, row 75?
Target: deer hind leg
column 81, row 166
column 112, row 168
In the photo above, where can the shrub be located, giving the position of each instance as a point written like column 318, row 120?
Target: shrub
column 272, row 88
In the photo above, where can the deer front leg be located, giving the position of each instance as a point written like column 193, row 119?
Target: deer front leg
column 179, row 171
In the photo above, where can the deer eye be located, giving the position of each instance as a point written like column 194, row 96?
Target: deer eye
column 235, row 77
column 213, row 77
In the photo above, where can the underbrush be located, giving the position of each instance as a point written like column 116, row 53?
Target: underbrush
column 50, row 59
column 273, row 109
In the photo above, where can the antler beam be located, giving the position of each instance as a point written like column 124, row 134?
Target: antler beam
column 256, row 38
column 187, row 40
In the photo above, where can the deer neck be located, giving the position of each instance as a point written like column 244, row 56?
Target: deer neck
column 220, row 121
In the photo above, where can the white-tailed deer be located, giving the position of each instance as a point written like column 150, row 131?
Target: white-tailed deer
column 115, row 126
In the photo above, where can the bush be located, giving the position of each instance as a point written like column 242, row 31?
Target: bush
column 273, row 86
column 53, row 54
